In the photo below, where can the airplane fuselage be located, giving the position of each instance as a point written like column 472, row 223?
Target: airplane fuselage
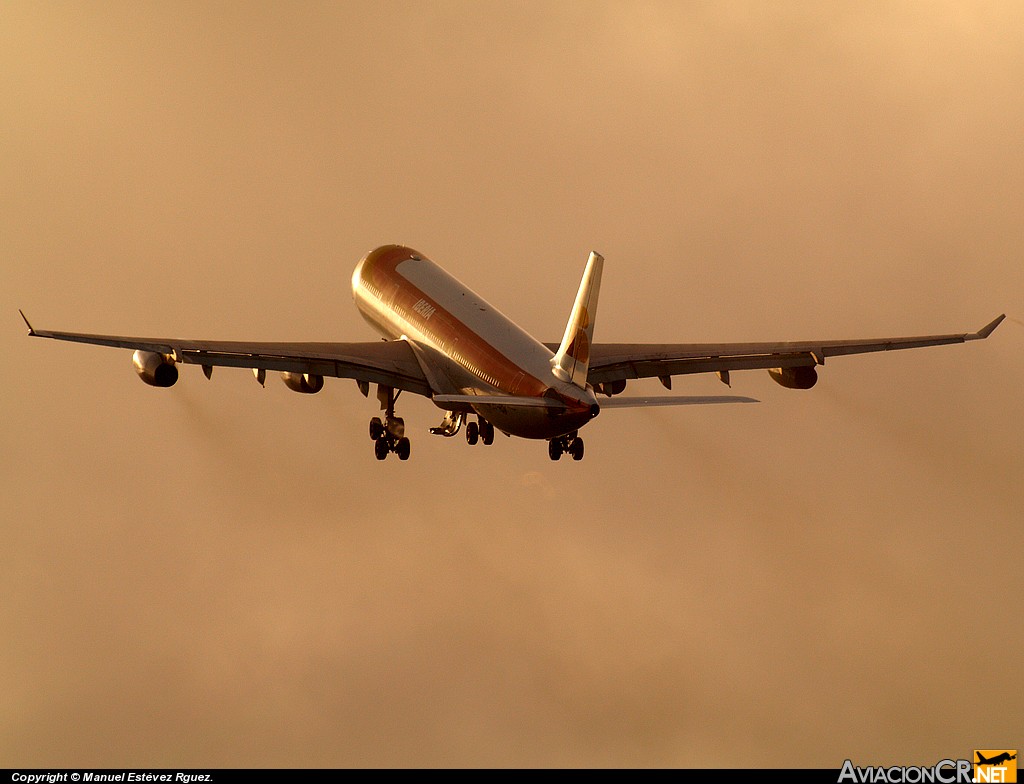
column 465, row 345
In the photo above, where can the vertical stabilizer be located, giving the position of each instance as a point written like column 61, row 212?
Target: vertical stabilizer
column 572, row 361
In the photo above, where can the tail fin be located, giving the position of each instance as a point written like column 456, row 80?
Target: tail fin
column 572, row 360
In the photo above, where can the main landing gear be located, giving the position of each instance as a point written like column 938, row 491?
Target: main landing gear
column 389, row 435
column 571, row 444
column 480, row 432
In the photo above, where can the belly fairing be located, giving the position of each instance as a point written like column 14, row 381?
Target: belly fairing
column 533, row 422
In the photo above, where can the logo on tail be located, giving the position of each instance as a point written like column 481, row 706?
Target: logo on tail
column 572, row 360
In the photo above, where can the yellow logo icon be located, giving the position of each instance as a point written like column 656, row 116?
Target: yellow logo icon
column 995, row 765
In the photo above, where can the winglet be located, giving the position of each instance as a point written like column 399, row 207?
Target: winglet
column 24, row 318
column 988, row 329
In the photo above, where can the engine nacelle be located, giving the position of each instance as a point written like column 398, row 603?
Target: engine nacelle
column 610, row 388
column 306, row 383
column 155, row 369
column 794, row 377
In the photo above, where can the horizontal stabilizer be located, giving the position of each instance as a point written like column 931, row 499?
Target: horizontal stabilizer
column 498, row 400
column 687, row 400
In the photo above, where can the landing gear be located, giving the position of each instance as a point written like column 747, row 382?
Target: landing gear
column 376, row 428
column 555, row 449
column 571, row 444
column 389, row 435
column 402, row 448
column 383, row 445
column 576, row 448
column 450, row 425
column 479, row 431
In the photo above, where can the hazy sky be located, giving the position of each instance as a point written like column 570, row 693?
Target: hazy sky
column 220, row 575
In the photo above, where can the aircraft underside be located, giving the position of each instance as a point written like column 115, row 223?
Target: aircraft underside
column 560, row 430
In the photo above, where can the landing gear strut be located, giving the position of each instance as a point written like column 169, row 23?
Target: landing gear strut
column 571, row 444
column 389, row 435
column 475, row 431
column 450, row 425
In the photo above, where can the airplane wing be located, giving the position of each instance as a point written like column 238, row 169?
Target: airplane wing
column 610, row 362
column 391, row 363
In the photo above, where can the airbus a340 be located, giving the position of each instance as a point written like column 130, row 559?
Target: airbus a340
column 445, row 342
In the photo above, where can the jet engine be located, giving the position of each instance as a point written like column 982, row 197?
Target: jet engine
column 794, row 377
column 306, row 383
column 610, row 388
column 155, row 369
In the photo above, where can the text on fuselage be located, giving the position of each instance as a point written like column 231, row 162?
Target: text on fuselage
column 424, row 308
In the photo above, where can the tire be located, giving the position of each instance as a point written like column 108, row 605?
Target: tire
column 555, row 449
column 381, row 447
column 402, row 448
column 472, row 433
column 576, row 449
column 487, row 433
column 376, row 429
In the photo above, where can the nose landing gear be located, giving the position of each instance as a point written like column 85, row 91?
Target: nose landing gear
column 475, row 431
column 450, row 425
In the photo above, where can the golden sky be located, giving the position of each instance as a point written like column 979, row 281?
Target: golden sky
column 219, row 575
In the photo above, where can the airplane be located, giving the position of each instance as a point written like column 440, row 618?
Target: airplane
column 999, row 759
column 445, row 342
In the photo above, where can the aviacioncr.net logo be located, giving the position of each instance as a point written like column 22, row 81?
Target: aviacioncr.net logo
column 942, row 772
column 995, row 765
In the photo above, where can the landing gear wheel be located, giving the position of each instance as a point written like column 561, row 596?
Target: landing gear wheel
column 486, row 432
column 472, row 433
column 555, row 449
column 576, row 448
column 376, row 429
column 402, row 448
column 381, row 447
